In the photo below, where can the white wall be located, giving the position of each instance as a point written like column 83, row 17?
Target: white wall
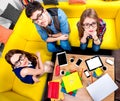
column 16, row 3
column 3, row 4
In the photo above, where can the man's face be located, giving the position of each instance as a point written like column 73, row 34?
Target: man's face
column 41, row 18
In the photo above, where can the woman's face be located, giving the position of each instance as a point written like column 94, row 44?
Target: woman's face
column 90, row 25
column 19, row 60
column 41, row 18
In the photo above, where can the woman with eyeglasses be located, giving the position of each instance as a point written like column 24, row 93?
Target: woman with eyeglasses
column 90, row 26
column 28, row 67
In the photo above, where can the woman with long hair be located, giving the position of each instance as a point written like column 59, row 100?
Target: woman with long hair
column 90, row 26
column 28, row 67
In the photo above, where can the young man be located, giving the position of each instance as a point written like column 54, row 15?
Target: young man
column 51, row 24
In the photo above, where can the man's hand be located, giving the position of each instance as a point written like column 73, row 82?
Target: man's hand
column 49, row 35
column 56, row 37
column 63, row 37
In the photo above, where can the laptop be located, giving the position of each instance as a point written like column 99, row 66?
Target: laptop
column 102, row 87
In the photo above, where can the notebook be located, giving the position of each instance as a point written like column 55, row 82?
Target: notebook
column 101, row 88
column 53, row 89
column 72, row 82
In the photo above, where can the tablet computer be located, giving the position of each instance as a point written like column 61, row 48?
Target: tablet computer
column 62, row 59
column 93, row 63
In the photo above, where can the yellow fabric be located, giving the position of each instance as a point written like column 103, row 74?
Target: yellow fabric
column 109, row 39
column 6, row 76
column 72, row 11
column 117, row 28
column 74, row 37
column 34, row 91
column 104, row 9
column 26, row 29
column 12, row 96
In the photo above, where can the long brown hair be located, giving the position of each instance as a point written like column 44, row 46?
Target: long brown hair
column 91, row 13
column 31, row 57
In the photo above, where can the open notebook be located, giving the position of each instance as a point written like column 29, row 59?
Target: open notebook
column 101, row 88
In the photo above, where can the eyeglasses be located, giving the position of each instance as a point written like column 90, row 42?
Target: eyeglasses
column 20, row 60
column 39, row 17
column 87, row 25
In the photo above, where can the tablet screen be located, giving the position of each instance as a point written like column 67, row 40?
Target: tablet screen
column 94, row 63
column 62, row 60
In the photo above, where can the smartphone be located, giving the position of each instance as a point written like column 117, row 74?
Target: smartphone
column 109, row 61
column 86, row 73
column 62, row 59
column 78, row 62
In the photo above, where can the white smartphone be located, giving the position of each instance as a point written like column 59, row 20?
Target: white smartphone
column 78, row 62
column 86, row 73
column 62, row 59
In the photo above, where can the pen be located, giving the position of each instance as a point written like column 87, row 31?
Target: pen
column 91, row 77
column 81, row 73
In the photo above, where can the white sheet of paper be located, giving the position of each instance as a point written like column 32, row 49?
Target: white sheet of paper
column 102, row 87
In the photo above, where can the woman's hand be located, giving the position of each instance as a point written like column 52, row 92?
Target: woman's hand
column 38, row 54
column 86, row 34
column 39, row 62
column 95, row 38
column 84, row 38
column 94, row 35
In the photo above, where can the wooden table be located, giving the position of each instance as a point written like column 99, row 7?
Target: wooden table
column 82, row 94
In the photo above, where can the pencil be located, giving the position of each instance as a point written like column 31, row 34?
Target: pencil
column 81, row 73
column 91, row 77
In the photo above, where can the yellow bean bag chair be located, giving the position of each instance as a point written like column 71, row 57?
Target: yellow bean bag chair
column 24, row 37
